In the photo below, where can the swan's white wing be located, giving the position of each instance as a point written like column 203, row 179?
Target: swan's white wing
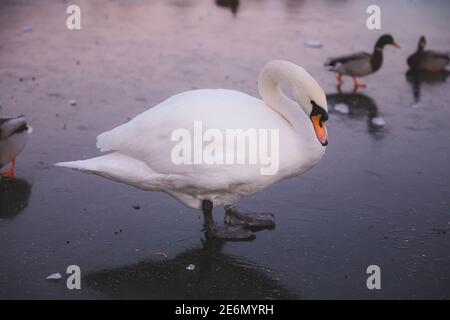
column 147, row 137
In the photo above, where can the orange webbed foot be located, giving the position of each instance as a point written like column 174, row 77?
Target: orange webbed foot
column 11, row 173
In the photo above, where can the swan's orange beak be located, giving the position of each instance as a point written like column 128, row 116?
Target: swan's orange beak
column 320, row 129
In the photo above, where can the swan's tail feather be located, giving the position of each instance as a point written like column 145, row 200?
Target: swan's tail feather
column 114, row 166
column 93, row 165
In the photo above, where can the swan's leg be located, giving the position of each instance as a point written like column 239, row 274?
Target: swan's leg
column 250, row 220
column 357, row 84
column 226, row 232
column 12, row 172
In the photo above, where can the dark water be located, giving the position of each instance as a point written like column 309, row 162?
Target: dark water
column 379, row 196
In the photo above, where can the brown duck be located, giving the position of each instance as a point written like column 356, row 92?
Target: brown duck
column 428, row 60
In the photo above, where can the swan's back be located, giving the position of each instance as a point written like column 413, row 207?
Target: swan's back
column 216, row 108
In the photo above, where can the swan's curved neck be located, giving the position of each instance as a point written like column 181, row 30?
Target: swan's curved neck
column 271, row 80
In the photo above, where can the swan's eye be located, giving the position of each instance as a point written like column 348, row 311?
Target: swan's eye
column 316, row 110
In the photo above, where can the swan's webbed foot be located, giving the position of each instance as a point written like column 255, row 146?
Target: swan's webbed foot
column 224, row 232
column 230, row 233
column 254, row 221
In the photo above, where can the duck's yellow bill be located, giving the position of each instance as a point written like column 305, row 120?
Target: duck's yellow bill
column 320, row 129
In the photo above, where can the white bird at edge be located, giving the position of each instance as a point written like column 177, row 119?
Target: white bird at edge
column 140, row 150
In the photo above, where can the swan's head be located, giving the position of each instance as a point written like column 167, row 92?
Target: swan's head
column 306, row 92
column 311, row 98
column 318, row 116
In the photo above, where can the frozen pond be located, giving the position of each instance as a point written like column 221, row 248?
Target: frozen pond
column 380, row 195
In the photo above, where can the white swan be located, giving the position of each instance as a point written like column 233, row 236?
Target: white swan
column 14, row 134
column 141, row 149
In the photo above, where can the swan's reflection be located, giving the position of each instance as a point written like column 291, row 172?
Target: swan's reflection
column 216, row 276
column 14, row 195
column 233, row 5
column 416, row 78
column 359, row 106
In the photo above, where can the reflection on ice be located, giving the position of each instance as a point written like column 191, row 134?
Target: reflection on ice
column 416, row 78
column 215, row 276
column 357, row 105
column 14, row 195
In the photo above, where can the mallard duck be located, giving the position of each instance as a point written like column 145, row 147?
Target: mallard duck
column 428, row 60
column 362, row 63
column 14, row 133
column 141, row 152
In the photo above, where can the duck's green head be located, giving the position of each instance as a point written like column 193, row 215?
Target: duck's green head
column 422, row 43
column 385, row 40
